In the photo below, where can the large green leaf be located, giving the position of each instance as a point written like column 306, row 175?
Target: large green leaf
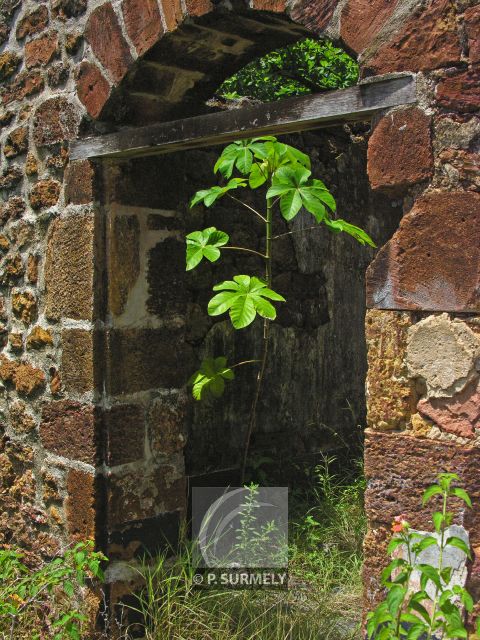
column 239, row 155
column 204, row 244
column 295, row 188
column 209, row 196
column 209, row 380
column 244, row 297
column 342, row 225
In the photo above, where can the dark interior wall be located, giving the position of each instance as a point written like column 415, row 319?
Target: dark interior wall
column 315, row 380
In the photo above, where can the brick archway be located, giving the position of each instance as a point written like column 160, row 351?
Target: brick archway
column 61, row 63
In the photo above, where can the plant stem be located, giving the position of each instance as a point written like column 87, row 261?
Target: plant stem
column 262, row 255
column 266, row 335
column 247, row 206
column 239, row 364
column 440, row 564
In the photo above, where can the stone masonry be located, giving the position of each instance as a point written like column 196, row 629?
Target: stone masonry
column 92, row 410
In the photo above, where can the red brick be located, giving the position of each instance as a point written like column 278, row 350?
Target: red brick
column 55, row 120
column 173, row 13
column 26, row 84
column 314, row 15
column 68, row 429
column 459, row 415
column 79, row 182
column 39, row 52
column 79, row 505
column 428, row 40
column 143, row 23
column 472, row 27
column 105, row 36
column 432, row 262
column 361, row 20
column 93, row 88
column 460, row 92
column 32, row 23
column 408, row 133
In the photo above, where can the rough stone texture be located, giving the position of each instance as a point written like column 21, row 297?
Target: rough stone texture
column 9, row 63
column 312, row 15
column 408, row 132
column 472, row 27
column 40, row 52
column 77, row 360
column 69, row 269
column 22, row 421
column 39, row 337
column 33, row 22
column 460, row 92
column 361, row 20
column 26, row 378
column 125, row 431
column 143, row 23
column 124, row 261
column 143, row 359
column 390, row 393
column 417, row 269
column 105, row 37
column 459, row 415
column 79, row 182
column 45, row 193
column 137, row 496
column 92, row 87
column 25, row 84
column 64, row 9
column 24, row 306
column 68, row 430
column 55, row 120
column 444, row 354
column 16, row 143
column 79, row 505
column 166, row 424
column 428, row 40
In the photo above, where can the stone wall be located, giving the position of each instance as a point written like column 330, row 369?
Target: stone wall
column 69, row 67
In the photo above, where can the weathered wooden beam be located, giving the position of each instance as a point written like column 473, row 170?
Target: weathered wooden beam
column 285, row 116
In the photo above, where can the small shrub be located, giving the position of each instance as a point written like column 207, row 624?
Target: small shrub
column 436, row 610
column 46, row 602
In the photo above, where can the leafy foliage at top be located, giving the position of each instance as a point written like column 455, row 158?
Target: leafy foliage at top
column 307, row 66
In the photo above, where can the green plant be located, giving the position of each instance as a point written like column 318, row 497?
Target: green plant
column 285, row 174
column 435, row 610
column 325, row 592
column 307, row 66
column 40, row 603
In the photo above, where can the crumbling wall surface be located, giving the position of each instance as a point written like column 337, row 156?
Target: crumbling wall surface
column 68, row 67
column 423, row 288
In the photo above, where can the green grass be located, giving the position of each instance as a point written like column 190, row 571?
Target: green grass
column 324, row 598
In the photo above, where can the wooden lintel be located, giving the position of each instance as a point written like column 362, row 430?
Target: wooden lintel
column 285, row 116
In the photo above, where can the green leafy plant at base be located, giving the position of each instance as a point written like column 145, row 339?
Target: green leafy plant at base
column 324, row 598
column 40, row 603
column 284, row 173
column 307, row 66
column 436, row 610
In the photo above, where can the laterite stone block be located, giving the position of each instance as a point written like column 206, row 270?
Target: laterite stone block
column 418, row 269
